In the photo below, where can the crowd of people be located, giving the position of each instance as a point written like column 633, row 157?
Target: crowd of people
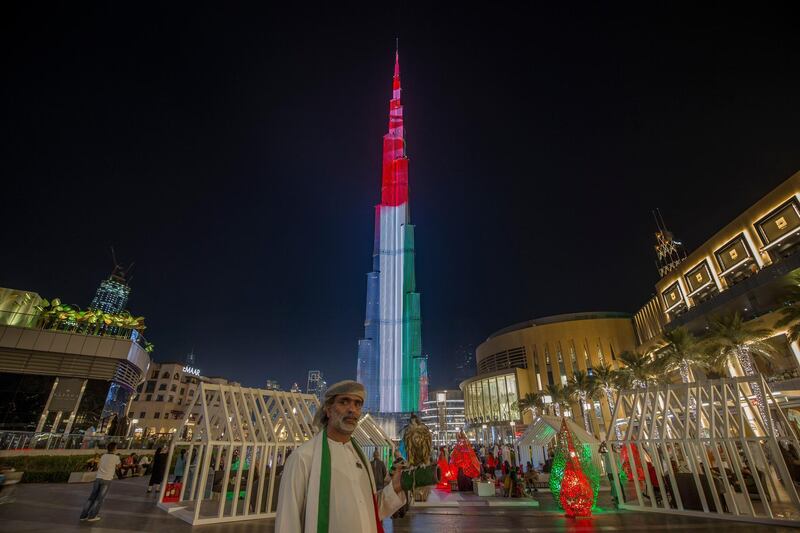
column 499, row 464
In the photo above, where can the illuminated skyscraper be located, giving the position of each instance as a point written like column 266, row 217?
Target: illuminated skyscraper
column 112, row 295
column 388, row 355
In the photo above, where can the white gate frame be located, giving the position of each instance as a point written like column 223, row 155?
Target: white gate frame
column 694, row 424
column 261, row 426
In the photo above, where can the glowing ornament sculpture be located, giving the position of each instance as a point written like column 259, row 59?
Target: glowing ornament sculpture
column 463, row 456
column 637, row 461
column 446, row 471
column 576, row 495
column 561, row 459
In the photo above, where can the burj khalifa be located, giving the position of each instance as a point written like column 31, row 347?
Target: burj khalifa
column 390, row 360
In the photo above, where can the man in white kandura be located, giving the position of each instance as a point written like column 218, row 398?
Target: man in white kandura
column 327, row 484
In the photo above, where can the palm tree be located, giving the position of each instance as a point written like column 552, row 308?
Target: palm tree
column 533, row 401
column 682, row 352
column 559, row 396
column 639, row 367
column 583, row 388
column 732, row 339
column 607, row 380
column 791, row 309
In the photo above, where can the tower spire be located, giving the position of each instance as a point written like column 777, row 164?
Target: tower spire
column 397, row 58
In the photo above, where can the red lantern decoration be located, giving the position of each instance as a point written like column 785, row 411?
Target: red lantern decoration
column 576, row 496
column 637, row 461
column 463, row 456
column 447, row 472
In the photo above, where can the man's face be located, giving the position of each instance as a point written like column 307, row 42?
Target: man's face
column 344, row 412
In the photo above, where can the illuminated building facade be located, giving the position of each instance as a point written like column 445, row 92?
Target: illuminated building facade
column 745, row 267
column 160, row 404
column 530, row 356
column 443, row 413
column 112, row 294
column 389, row 354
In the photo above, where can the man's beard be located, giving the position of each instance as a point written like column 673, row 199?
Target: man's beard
column 344, row 425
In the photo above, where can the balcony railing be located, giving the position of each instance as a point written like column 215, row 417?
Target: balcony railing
column 70, row 325
column 29, row 440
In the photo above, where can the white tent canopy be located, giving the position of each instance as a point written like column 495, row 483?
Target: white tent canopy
column 533, row 443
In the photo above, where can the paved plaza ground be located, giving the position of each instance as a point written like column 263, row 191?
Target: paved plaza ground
column 56, row 507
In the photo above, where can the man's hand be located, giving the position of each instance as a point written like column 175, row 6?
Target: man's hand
column 396, row 480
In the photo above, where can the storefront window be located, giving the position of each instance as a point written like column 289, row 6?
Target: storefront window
column 493, row 399
column 486, row 404
column 511, row 384
column 502, row 398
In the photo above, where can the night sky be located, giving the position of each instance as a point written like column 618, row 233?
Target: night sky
column 234, row 155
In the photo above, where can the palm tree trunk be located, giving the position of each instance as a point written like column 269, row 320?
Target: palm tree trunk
column 610, row 400
column 749, row 368
column 584, row 413
column 686, row 373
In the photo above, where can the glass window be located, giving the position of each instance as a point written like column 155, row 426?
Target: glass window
column 183, row 390
column 485, row 403
column 572, row 356
column 163, row 386
column 588, row 359
column 151, row 386
column 160, row 398
column 166, row 416
column 171, row 399
column 143, row 414
column 502, row 398
column 191, row 392
column 165, row 375
column 561, row 364
column 493, row 402
column 173, row 387
column 149, row 397
column 176, row 376
column 157, row 415
column 511, row 386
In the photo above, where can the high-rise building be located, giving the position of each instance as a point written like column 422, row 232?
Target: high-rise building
column 316, row 384
column 272, row 384
column 387, row 355
column 112, row 295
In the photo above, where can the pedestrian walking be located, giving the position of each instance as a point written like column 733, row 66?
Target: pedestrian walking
column 157, row 470
column 107, row 467
column 379, row 471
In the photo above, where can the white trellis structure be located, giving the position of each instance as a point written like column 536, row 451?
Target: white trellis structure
column 240, row 438
column 705, row 449
column 370, row 437
column 532, row 444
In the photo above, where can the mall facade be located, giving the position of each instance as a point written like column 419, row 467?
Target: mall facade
column 744, row 267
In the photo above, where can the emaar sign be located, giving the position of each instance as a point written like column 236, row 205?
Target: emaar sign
column 192, row 371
